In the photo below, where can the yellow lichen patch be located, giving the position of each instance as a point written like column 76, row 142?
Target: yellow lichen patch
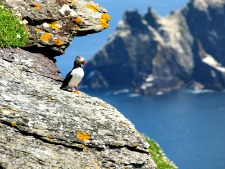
column 14, row 111
column 13, row 124
column 78, row 20
column 85, row 149
column 38, row 30
column 135, row 144
column 104, row 20
column 83, row 136
column 76, row 27
column 46, row 37
column 8, row 110
column 73, row 2
column 57, row 42
column 92, row 7
column 54, row 25
column 50, row 99
column 49, row 138
column 35, row 6
column 46, row 87
column 104, row 105
column 105, row 16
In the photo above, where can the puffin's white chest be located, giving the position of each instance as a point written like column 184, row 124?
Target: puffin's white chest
column 77, row 75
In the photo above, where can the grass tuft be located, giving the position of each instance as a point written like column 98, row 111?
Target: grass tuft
column 12, row 32
column 159, row 157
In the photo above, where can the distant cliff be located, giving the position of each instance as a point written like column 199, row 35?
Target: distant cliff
column 148, row 54
column 42, row 126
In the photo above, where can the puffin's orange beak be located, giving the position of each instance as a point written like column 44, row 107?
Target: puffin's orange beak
column 84, row 62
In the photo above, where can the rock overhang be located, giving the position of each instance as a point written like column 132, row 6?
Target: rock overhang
column 52, row 24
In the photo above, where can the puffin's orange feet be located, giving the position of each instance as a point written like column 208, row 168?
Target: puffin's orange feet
column 73, row 92
column 77, row 92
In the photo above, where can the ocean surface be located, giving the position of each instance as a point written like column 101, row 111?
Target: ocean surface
column 188, row 125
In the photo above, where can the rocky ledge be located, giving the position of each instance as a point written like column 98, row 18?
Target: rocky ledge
column 42, row 126
column 52, row 24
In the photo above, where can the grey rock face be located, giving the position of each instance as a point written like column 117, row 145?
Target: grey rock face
column 53, row 23
column 208, row 42
column 148, row 54
column 42, row 126
column 138, row 50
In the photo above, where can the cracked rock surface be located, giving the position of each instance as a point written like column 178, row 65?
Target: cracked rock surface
column 42, row 126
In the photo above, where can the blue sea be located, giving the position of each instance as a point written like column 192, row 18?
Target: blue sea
column 188, row 125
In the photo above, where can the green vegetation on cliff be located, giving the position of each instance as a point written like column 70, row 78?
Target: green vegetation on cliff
column 12, row 32
column 159, row 157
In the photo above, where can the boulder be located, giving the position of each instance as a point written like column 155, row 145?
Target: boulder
column 52, row 24
column 42, row 126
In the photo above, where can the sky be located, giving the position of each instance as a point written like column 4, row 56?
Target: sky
column 88, row 46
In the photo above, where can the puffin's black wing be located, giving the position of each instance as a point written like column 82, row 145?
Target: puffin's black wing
column 66, row 80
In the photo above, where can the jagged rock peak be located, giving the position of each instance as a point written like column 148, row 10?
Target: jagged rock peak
column 204, row 4
column 151, row 17
column 52, row 24
column 167, row 49
column 132, row 19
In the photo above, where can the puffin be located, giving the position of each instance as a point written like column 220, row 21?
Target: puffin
column 74, row 77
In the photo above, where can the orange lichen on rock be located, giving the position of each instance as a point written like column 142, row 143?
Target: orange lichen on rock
column 76, row 27
column 92, row 7
column 78, row 20
column 73, row 2
column 35, row 6
column 54, row 25
column 85, row 149
column 13, row 124
column 57, row 42
column 83, row 136
column 46, row 37
column 38, row 30
column 104, row 20
column 49, row 138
